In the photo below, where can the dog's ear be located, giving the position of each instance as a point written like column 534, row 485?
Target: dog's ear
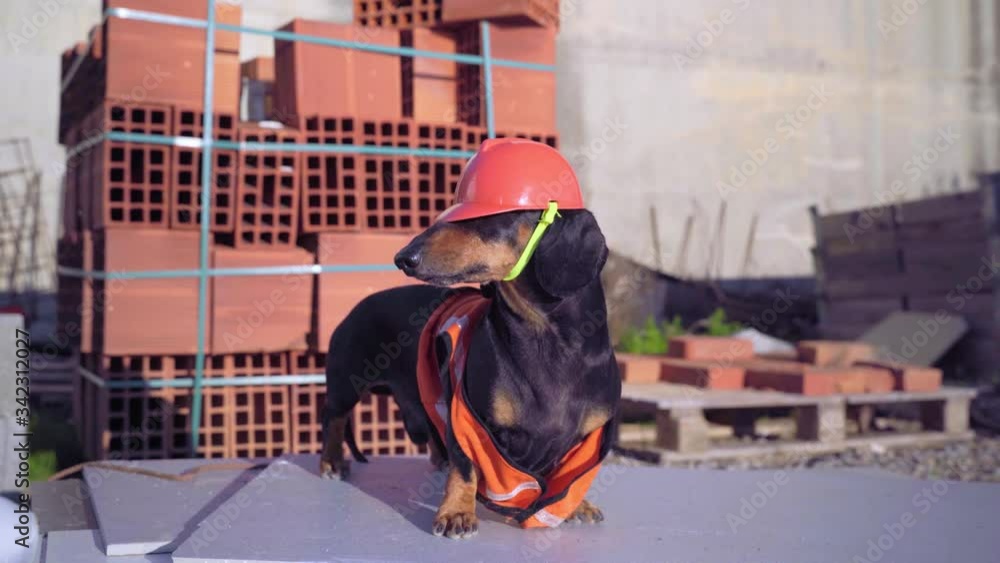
column 571, row 254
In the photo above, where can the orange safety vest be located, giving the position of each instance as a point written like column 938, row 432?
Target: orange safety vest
column 534, row 501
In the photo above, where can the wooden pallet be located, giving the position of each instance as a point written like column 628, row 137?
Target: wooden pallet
column 682, row 427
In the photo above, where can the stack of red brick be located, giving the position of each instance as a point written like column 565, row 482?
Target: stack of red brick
column 821, row 367
column 237, row 421
column 131, row 206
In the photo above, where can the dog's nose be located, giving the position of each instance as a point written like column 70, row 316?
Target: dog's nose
column 408, row 260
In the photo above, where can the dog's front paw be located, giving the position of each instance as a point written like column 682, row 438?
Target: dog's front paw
column 335, row 469
column 586, row 513
column 456, row 525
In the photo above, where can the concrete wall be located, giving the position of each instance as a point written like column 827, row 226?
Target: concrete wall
column 661, row 102
column 842, row 99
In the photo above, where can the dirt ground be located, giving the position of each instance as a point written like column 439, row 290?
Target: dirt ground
column 975, row 460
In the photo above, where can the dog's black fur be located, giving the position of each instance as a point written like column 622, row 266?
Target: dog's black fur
column 541, row 371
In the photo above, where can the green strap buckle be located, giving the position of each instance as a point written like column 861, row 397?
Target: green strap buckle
column 548, row 217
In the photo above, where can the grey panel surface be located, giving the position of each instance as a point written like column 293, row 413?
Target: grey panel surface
column 915, row 338
column 62, row 505
column 84, row 546
column 384, row 513
column 138, row 514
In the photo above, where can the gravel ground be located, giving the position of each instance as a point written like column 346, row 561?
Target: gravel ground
column 976, row 460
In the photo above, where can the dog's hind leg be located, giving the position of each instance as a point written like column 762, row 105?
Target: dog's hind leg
column 332, row 463
column 341, row 397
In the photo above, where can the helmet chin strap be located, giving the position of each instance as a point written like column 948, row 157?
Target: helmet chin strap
column 548, row 217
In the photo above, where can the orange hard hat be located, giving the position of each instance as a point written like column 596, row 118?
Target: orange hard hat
column 513, row 175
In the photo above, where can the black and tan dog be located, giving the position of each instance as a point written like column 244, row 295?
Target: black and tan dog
column 541, row 373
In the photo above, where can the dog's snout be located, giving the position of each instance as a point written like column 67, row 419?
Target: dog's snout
column 408, row 259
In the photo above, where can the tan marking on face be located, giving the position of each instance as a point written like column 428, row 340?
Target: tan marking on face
column 522, row 307
column 594, row 419
column 451, row 251
column 505, row 411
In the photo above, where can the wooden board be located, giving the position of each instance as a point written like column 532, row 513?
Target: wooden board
column 681, row 423
column 963, row 205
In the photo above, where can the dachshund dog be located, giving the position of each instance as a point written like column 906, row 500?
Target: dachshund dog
column 541, row 373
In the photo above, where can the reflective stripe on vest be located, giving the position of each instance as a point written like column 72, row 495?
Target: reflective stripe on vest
column 501, row 485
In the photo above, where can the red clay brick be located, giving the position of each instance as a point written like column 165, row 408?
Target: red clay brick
column 638, row 368
column 339, row 293
column 120, row 306
column 702, row 374
column 475, row 136
column 259, row 68
column 710, row 348
column 330, row 180
column 267, row 190
column 436, row 178
column 877, row 380
column 185, row 189
column 125, row 184
column 804, row 379
column 524, row 99
column 398, row 14
column 387, row 181
column 430, row 86
column 260, row 313
column 909, row 377
column 177, row 72
column 523, row 12
column 377, row 421
column 833, row 353
column 313, row 79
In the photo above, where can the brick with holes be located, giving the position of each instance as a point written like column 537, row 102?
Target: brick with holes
column 126, row 184
column 387, row 181
column 146, row 423
column 377, row 422
column 475, row 135
column 398, row 14
column 521, row 12
column 330, row 193
column 186, row 173
column 436, row 178
column 267, row 190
